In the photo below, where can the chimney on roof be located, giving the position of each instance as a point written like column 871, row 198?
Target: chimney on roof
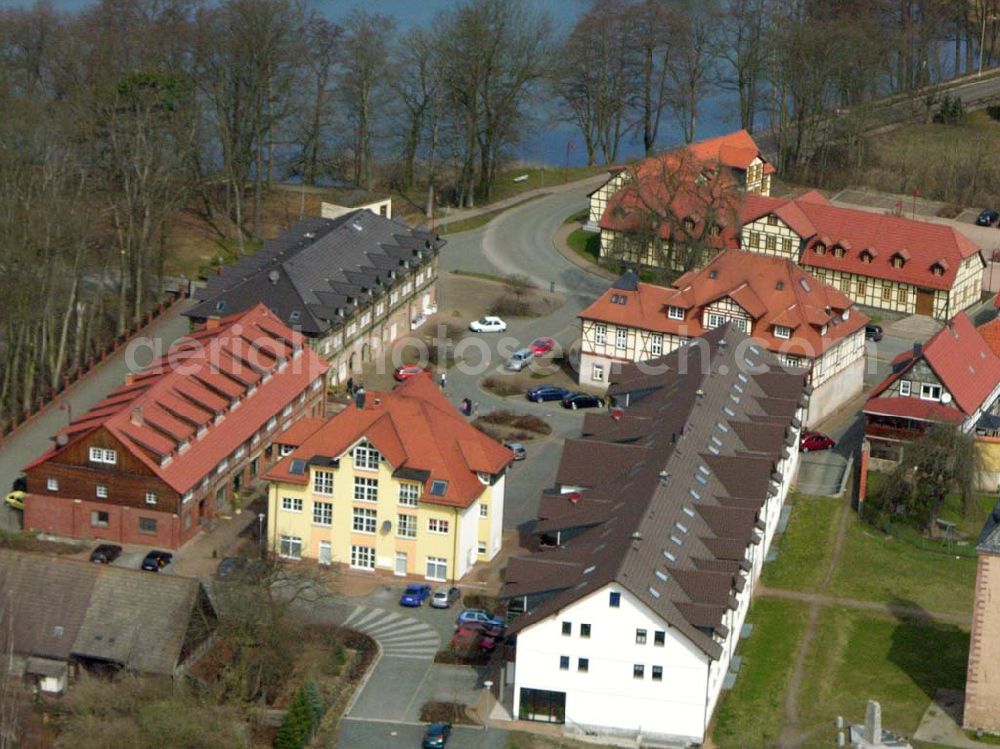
column 274, row 277
column 700, row 393
column 129, row 378
column 136, row 417
column 212, row 322
column 918, row 349
column 359, row 398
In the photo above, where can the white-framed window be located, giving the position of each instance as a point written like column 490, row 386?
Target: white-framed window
column 290, row 547
column 656, row 344
column 365, row 520
column 905, row 387
column 380, row 308
column 600, row 334
column 409, row 494
column 363, row 557
column 621, row 337
column 740, row 323
column 366, row 457
column 352, row 329
column 101, row 455
column 286, row 411
column 365, row 489
column 151, row 498
column 52, row 485
column 437, row 568
column 675, row 313
column 322, row 482
column 272, row 423
column 285, row 450
column 714, row 320
column 406, row 526
column 481, row 548
column 781, row 331
column 99, row 519
column 102, row 491
column 484, row 510
column 930, row 392
column 291, row 504
column 322, row 513
column 597, row 372
column 437, row 526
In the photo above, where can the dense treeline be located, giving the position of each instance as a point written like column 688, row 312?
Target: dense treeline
column 628, row 63
column 114, row 118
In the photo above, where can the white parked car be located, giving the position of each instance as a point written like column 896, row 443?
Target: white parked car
column 488, row 325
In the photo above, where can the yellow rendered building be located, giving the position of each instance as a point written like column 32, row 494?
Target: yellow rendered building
column 398, row 482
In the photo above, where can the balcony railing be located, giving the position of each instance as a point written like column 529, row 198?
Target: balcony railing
column 896, row 433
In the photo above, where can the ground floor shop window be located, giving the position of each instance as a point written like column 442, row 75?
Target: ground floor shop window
column 542, row 705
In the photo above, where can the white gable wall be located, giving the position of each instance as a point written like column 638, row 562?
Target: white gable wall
column 608, row 697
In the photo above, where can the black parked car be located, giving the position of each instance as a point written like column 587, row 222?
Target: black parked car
column 873, row 332
column 156, row 560
column 106, row 553
column 988, row 218
column 436, row 735
column 546, row 393
column 582, row 400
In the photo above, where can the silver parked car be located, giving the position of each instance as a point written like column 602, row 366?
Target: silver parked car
column 520, row 359
column 442, row 599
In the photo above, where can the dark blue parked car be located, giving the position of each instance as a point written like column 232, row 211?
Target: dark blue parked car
column 415, row 595
column 546, row 393
column 436, row 735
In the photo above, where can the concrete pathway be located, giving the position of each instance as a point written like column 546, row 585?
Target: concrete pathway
column 904, row 612
column 34, row 438
column 942, row 722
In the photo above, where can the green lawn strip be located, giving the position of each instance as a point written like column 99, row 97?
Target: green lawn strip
column 750, row 714
column 877, row 567
column 474, row 222
column 805, row 548
column 857, row 655
column 586, row 244
column 577, row 218
column 539, row 177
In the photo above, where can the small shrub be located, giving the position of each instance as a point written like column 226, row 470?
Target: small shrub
column 506, row 306
column 522, row 422
column 502, row 386
column 445, row 712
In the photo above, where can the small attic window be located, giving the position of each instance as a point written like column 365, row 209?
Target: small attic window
column 937, row 270
column 838, row 251
column 820, row 248
column 438, row 488
column 298, row 467
column 293, row 316
column 670, row 557
column 619, row 299
column 866, row 257
column 898, row 261
column 772, row 220
column 220, row 305
column 779, row 286
column 805, row 285
column 713, row 273
column 661, row 575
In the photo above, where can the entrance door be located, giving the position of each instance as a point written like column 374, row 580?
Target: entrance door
column 325, row 553
column 400, row 563
column 925, row 302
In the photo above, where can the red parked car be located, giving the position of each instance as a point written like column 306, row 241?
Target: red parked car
column 466, row 638
column 408, row 371
column 814, row 441
column 541, row 346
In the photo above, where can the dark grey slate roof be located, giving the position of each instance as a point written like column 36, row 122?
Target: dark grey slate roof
column 628, row 281
column 989, row 538
column 318, row 269
column 670, row 518
column 65, row 608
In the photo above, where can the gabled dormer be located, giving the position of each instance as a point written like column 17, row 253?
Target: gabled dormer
column 899, row 258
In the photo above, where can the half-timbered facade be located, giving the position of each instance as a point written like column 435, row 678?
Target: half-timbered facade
column 351, row 285
column 805, row 322
column 954, row 378
column 880, row 261
column 175, row 444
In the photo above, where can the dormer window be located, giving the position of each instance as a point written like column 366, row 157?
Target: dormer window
column 937, row 270
column 675, row 313
column 838, row 251
column 714, row 230
column 782, row 331
column 689, row 223
column 820, row 248
column 772, row 220
column 866, row 257
column 822, row 330
column 899, row 258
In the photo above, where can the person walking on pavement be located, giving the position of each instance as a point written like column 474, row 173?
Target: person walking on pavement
column 443, row 380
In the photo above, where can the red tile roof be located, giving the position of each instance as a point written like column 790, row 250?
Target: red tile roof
column 735, row 150
column 416, row 428
column 774, row 291
column 913, row 408
column 299, row 432
column 923, row 244
column 962, row 360
column 991, row 334
column 157, row 414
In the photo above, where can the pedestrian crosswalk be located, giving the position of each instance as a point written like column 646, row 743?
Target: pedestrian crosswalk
column 398, row 635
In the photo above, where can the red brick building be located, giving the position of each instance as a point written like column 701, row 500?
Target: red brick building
column 169, row 448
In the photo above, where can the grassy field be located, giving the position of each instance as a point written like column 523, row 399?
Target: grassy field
column 858, row 655
column 806, row 545
column 877, row 567
column 474, row 222
column 750, row 715
column 540, row 177
column 585, row 244
column 968, row 526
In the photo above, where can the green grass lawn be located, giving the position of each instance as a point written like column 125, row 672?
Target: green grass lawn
column 856, row 656
column 750, row 715
column 806, row 545
column 586, row 244
column 877, row 567
column 968, row 526
column 539, row 177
